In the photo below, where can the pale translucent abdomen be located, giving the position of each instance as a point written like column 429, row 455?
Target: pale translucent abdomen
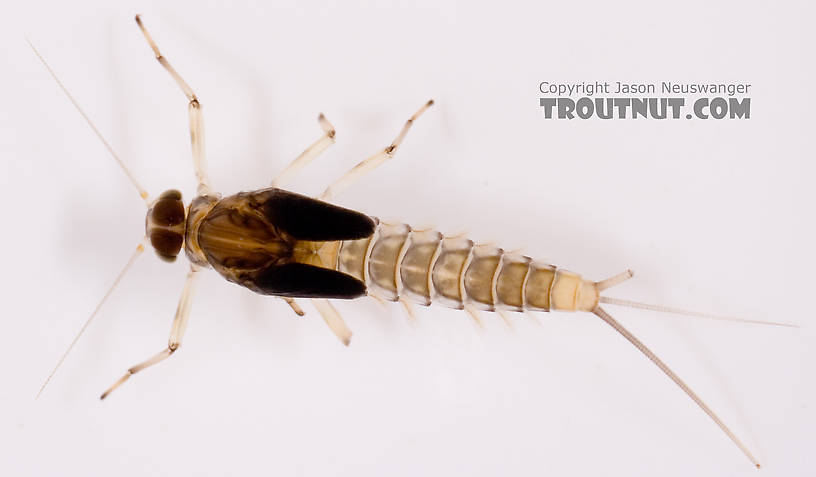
column 426, row 267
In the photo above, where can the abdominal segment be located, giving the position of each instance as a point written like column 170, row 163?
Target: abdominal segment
column 426, row 267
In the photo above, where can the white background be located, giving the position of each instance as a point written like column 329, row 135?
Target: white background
column 712, row 215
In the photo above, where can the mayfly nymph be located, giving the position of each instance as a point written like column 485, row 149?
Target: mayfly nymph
column 279, row 243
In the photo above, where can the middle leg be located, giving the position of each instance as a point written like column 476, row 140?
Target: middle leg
column 309, row 154
column 373, row 161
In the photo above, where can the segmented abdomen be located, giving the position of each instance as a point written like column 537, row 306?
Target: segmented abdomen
column 426, row 267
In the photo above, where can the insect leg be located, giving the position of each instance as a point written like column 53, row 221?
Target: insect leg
column 409, row 309
column 176, row 332
column 333, row 319
column 292, row 303
column 474, row 314
column 309, row 154
column 506, row 318
column 373, row 161
column 194, row 111
column 380, row 301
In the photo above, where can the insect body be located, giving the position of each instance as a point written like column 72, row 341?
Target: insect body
column 280, row 243
column 276, row 242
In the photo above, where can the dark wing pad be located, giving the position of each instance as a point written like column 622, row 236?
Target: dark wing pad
column 309, row 219
column 298, row 280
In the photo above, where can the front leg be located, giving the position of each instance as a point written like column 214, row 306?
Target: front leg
column 176, row 332
column 194, row 111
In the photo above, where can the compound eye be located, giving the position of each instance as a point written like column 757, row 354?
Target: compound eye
column 165, row 225
column 168, row 211
column 167, row 243
column 171, row 194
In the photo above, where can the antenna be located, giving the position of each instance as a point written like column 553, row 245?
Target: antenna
column 133, row 257
column 142, row 193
